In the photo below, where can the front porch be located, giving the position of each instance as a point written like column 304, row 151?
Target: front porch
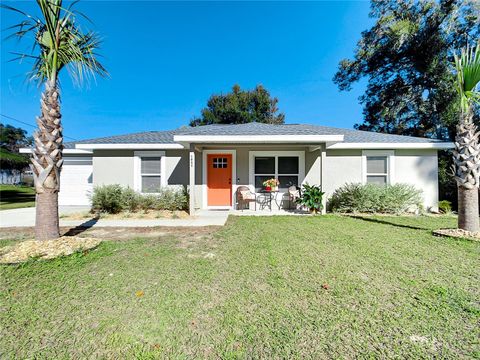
column 218, row 172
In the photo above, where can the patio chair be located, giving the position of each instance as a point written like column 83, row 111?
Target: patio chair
column 294, row 193
column 244, row 196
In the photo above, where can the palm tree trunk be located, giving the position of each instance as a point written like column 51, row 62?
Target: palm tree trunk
column 466, row 159
column 468, row 209
column 46, row 221
column 47, row 163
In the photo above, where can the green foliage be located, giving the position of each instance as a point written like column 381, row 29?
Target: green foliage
column 130, row 200
column 9, row 160
column 239, row 107
column 406, row 57
column 60, row 41
column 311, row 197
column 13, row 138
column 147, row 202
column 170, row 199
column 445, row 206
column 447, row 186
column 113, row 199
column 108, row 198
column 371, row 198
column 467, row 66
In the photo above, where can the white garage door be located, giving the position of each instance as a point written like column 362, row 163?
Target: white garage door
column 76, row 181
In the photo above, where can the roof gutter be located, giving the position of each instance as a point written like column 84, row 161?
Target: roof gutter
column 65, row 151
column 371, row 145
column 129, row 146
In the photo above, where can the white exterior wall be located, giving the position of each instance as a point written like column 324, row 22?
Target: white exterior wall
column 420, row 169
column 416, row 167
column 113, row 167
column 176, row 167
column 313, row 167
column 341, row 167
column 117, row 167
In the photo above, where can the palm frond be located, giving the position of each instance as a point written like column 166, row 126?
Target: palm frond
column 8, row 7
column 467, row 66
column 51, row 14
column 60, row 42
column 21, row 56
column 22, row 31
column 78, row 53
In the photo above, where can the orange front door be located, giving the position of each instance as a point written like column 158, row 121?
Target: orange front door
column 219, row 179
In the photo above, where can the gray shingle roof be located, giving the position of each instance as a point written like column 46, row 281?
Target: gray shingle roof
column 148, row 137
column 166, row 137
column 351, row 136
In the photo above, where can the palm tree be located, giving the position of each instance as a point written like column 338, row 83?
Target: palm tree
column 466, row 156
column 58, row 43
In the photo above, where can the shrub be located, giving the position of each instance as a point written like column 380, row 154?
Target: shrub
column 147, row 202
column 114, row 198
column 445, row 206
column 311, row 197
column 171, row 199
column 130, row 200
column 371, row 198
column 108, row 198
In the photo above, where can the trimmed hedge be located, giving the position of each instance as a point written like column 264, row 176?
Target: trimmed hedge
column 113, row 199
column 371, row 198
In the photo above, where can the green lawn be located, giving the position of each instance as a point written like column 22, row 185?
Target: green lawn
column 13, row 197
column 261, row 287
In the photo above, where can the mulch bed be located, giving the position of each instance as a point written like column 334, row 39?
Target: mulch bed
column 458, row 233
column 112, row 233
column 83, row 238
column 127, row 215
column 48, row 249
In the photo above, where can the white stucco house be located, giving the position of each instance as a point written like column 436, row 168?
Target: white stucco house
column 214, row 160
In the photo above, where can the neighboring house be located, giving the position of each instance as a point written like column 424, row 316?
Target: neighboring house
column 215, row 159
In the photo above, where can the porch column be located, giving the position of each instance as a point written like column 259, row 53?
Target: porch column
column 322, row 177
column 191, row 205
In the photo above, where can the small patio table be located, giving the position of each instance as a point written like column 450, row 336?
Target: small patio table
column 268, row 196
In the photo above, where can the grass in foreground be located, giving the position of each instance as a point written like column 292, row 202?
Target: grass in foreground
column 13, row 197
column 271, row 287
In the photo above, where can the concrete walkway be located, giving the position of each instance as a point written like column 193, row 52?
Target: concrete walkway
column 266, row 212
column 25, row 217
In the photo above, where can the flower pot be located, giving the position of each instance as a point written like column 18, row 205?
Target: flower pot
column 268, row 188
column 274, row 188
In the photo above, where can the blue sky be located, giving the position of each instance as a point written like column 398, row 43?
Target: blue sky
column 165, row 59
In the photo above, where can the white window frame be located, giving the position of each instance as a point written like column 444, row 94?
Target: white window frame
column 276, row 155
column 389, row 154
column 137, row 168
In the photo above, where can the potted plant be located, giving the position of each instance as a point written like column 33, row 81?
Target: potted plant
column 311, row 197
column 271, row 184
